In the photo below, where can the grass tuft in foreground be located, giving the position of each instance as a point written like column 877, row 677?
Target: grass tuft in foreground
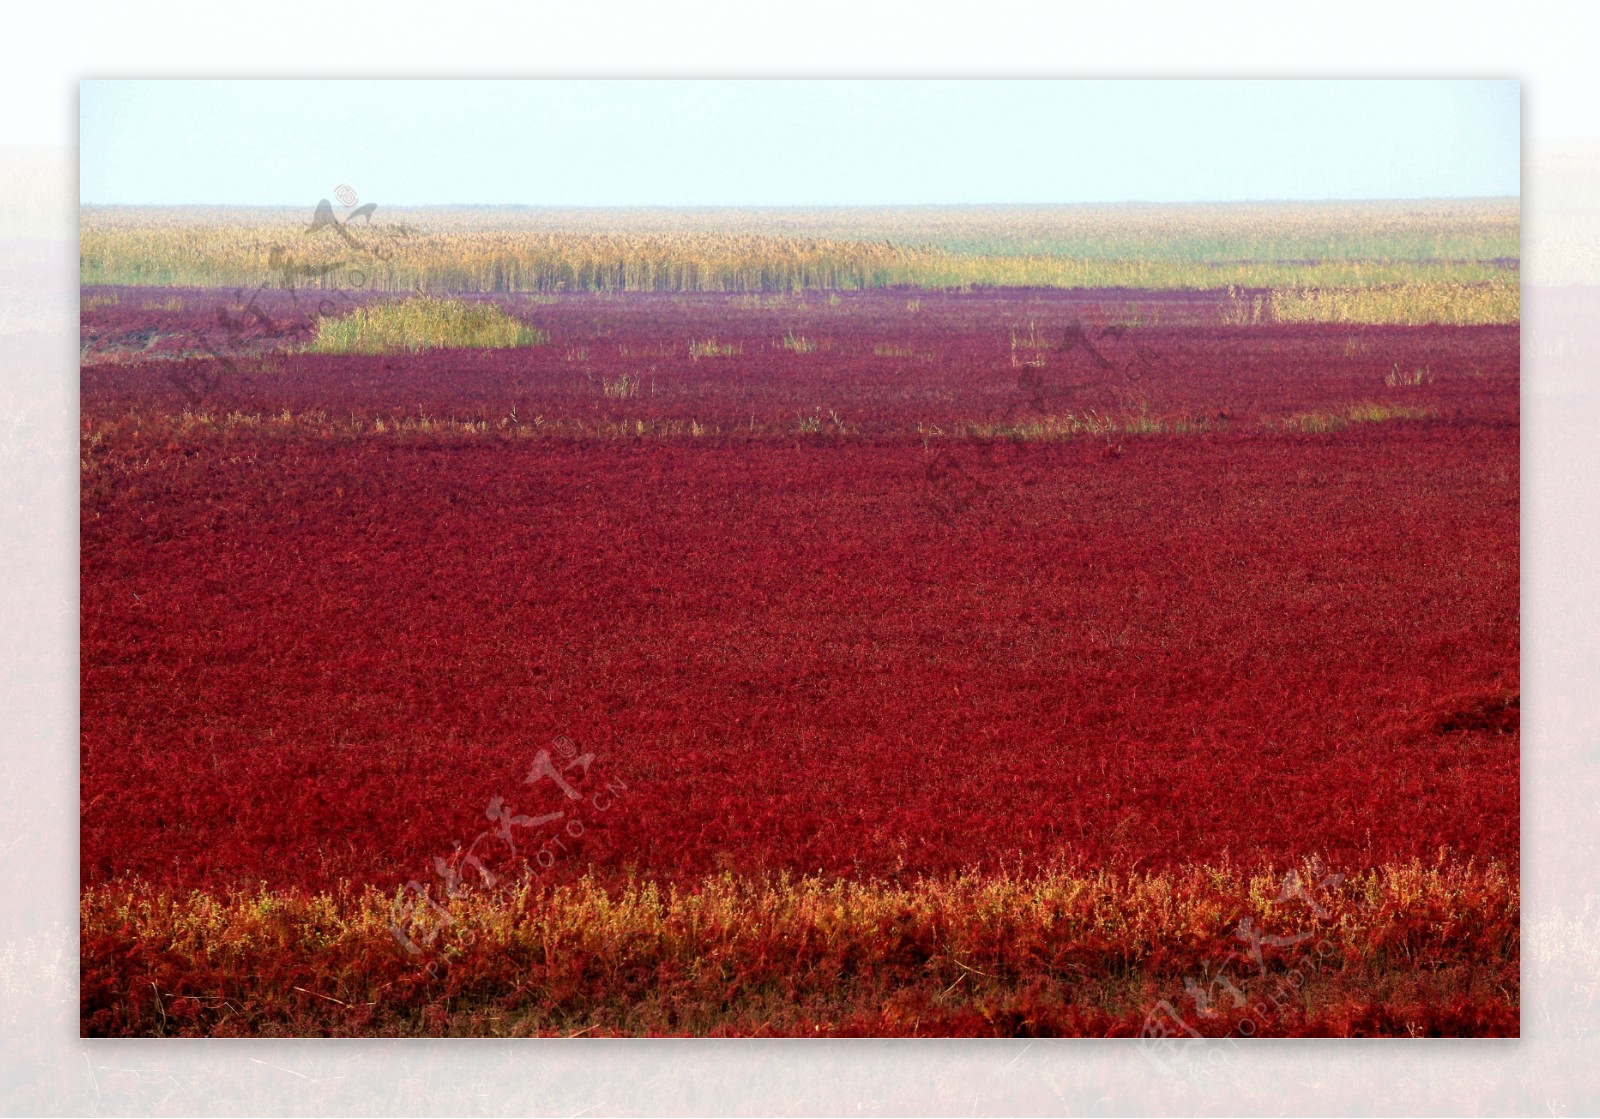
column 1401, row 949
column 423, row 322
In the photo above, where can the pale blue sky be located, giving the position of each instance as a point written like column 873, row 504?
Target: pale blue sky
column 614, row 143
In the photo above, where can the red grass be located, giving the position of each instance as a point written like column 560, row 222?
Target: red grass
column 314, row 653
column 308, row 657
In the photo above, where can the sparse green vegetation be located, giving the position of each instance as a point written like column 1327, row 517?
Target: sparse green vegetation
column 1407, row 378
column 709, row 347
column 623, row 387
column 1028, row 349
column 1071, row 425
column 1365, row 412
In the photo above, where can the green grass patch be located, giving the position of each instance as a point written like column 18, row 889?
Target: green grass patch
column 423, row 322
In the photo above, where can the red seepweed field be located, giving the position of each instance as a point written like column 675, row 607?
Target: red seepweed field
column 890, row 662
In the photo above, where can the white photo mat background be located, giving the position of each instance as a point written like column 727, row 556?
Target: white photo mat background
column 46, row 1069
